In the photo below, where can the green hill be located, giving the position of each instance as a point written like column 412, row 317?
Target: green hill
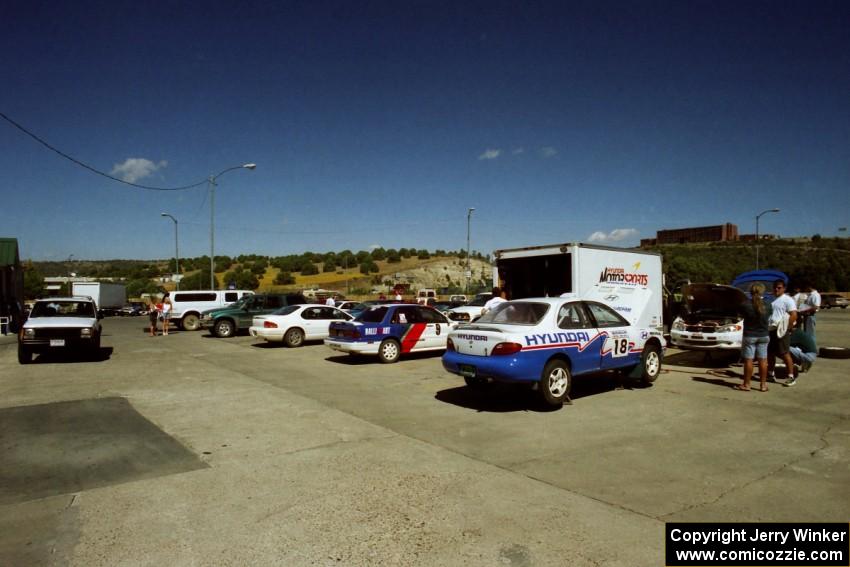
column 825, row 262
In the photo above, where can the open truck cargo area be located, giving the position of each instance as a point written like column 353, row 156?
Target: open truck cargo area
column 554, row 269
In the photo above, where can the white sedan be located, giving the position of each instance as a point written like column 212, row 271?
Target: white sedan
column 295, row 324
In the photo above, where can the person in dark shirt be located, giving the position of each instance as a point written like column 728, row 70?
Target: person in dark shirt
column 756, row 337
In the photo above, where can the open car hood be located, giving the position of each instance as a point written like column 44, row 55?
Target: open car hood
column 712, row 298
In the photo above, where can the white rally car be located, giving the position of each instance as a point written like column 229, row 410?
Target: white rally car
column 547, row 341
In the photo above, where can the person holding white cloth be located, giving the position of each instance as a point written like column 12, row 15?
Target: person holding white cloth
column 782, row 320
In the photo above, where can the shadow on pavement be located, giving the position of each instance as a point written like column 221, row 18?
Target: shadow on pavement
column 500, row 398
column 700, row 358
column 356, row 360
column 71, row 356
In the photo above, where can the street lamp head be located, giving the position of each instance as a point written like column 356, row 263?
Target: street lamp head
column 163, row 214
column 774, row 210
column 250, row 166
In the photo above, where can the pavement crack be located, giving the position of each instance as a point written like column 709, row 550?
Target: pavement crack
column 824, row 445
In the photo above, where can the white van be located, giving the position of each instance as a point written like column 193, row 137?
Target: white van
column 426, row 296
column 187, row 306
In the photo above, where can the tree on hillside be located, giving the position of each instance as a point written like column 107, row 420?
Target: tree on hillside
column 33, row 282
column 135, row 288
column 240, row 278
column 198, row 280
column 379, row 254
column 308, row 268
column 284, row 278
column 329, row 265
column 423, row 254
column 368, row 267
column 393, row 256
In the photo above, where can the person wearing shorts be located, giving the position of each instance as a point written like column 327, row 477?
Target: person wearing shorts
column 166, row 313
column 756, row 337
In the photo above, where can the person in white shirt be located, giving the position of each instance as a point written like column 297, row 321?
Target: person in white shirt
column 782, row 320
column 330, row 301
column 498, row 297
column 807, row 310
column 398, row 296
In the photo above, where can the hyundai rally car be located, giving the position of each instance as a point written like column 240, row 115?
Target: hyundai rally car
column 389, row 331
column 547, row 341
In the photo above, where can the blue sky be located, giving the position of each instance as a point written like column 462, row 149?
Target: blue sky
column 379, row 123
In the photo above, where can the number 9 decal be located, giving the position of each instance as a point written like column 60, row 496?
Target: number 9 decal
column 438, row 328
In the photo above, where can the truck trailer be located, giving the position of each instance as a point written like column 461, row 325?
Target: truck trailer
column 109, row 297
column 554, row 269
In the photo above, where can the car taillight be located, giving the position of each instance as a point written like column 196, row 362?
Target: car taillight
column 450, row 345
column 351, row 334
column 269, row 325
column 506, row 348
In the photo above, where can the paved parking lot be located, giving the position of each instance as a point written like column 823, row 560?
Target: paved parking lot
column 187, row 450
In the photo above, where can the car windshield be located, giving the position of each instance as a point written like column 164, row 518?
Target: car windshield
column 286, row 310
column 63, row 309
column 372, row 315
column 478, row 302
column 515, row 313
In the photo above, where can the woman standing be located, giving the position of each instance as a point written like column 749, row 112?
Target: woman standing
column 153, row 315
column 756, row 337
column 166, row 313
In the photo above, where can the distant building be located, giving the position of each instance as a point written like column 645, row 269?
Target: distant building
column 718, row 233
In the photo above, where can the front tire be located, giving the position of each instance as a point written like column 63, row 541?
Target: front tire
column 293, row 338
column 389, row 351
column 224, row 328
column 24, row 355
column 650, row 363
column 555, row 383
column 190, row 322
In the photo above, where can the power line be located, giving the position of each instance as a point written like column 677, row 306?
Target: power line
column 90, row 168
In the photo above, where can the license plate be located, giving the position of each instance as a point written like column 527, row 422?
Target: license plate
column 467, row 370
column 695, row 336
column 57, row 342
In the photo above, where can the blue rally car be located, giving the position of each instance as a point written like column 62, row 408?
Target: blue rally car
column 547, row 341
column 390, row 331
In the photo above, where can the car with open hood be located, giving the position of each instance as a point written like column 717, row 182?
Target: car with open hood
column 709, row 318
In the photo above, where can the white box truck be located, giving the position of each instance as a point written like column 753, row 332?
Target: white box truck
column 604, row 272
column 109, row 297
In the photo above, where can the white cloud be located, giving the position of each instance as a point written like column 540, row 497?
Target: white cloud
column 518, row 151
column 374, row 246
column 548, row 151
column 134, row 169
column 490, row 154
column 615, row 235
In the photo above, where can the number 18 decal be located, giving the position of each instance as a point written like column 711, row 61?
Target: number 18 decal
column 621, row 348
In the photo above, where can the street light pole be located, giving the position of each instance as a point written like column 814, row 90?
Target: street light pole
column 758, row 216
column 176, row 249
column 212, row 179
column 468, row 272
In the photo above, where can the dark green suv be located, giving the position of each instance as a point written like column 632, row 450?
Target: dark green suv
column 227, row 321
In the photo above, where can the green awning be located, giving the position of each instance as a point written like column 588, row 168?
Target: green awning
column 9, row 252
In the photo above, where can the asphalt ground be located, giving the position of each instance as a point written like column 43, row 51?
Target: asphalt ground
column 191, row 450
